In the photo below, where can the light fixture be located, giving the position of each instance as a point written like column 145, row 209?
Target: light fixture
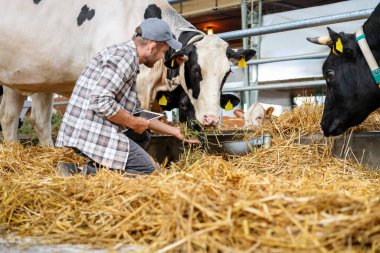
column 209, row 30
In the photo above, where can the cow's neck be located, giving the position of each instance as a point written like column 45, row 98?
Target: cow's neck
column 371, row 29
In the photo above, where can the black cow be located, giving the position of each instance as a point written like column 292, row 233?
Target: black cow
column 352, row 92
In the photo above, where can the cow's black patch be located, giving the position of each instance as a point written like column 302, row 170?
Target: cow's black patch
column 153, row 11
column 193, row 72
column 171, row 73
column 85, row 14
column 36, row 1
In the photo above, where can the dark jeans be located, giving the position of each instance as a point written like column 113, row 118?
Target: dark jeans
column 139, row 161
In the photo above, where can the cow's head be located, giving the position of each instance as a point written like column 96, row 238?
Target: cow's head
column 352, row 93
column 203, row 68
column 178, row 98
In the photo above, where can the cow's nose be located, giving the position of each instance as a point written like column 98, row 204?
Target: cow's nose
column 210, row 119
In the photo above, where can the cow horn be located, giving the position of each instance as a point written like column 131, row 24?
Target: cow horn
column 325, row 40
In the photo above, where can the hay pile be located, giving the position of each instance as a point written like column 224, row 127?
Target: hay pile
column 289, row 198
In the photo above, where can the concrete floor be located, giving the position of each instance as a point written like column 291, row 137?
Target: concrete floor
column 31, row 245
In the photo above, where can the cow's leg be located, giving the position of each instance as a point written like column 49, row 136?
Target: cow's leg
column 42, row 104
column 10, row 109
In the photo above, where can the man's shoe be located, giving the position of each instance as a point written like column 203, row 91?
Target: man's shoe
column 66, row 169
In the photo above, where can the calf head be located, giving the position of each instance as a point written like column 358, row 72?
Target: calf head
column 203, row 68
column 256, row 115
column 352, row 93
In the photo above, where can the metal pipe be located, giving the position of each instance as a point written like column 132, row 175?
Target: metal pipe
column 244, row 26
column 312, row 22
column 174, row 1
column 289, row 58
column 280, row 86
column 286, row 58
column 210, row 10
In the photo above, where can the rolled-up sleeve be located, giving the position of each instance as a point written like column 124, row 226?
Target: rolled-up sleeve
column 111, row 80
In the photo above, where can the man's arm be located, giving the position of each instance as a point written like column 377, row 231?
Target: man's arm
column 124, row 118
column 163, row 128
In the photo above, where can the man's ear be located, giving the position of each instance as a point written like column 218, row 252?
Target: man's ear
column 340, row 43
column 235, row 57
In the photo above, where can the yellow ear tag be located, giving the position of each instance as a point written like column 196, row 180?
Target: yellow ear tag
column 163, row 101
column 229, row 106
column 334, row 52
column 173, row 60
column 339, row 46
column 242, row 63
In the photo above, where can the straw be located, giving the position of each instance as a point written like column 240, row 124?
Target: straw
column 288, row 198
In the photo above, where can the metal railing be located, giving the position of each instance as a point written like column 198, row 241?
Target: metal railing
column 306, row 23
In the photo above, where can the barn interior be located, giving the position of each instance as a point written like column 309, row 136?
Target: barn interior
column 279, row 187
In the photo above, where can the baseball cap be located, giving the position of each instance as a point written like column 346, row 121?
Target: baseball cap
column 158, row 30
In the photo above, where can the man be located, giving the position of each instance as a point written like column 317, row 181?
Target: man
column 104, row 100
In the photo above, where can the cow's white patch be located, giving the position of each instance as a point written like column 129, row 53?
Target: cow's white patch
column 211, row 51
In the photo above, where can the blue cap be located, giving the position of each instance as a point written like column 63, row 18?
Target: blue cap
column 158, row 30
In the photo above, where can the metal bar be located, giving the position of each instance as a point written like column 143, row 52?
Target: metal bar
column 244, row 26
column 312, row 22
column 174, row 1
column 286, row 58
column 289, row 58
column 280, row 86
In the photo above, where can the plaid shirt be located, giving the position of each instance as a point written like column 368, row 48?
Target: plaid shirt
column 107, row 84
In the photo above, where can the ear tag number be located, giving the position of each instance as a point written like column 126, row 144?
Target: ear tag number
column 229, row 106
column 242, row 63
column 163, row 101
column 339, row 46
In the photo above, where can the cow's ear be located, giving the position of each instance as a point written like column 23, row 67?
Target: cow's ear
column 241, row 54
column 340, row 43
column 268, row 112
column 176, row 59
column 228, row 101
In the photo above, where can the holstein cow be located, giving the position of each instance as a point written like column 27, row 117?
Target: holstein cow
column 352, row 75
column 44, row 46
column 178, row 98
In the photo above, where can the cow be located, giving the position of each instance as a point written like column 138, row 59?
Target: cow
column 44, row 46
column 353, row 92
column 255, row 116
column 178, row 98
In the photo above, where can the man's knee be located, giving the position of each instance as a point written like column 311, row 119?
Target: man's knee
column 142, row 140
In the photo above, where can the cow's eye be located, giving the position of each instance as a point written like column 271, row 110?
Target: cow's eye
column 330, row 76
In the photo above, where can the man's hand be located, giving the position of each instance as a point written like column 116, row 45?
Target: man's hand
column 180, row 136
column 139, row 125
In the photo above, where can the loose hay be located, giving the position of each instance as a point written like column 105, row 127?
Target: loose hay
column 288, row 198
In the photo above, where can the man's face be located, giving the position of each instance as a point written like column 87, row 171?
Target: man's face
column 156, row 52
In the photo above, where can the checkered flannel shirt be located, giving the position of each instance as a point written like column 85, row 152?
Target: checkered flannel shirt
column 107, row 84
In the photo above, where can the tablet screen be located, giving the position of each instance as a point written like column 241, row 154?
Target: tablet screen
column 148, row 114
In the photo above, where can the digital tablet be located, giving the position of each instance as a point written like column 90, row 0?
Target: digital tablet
column 148, row 114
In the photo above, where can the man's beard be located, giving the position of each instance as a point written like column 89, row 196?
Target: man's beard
column 151, row 60
column 149, row 63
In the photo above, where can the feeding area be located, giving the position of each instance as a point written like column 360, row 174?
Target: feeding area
column 290, row 197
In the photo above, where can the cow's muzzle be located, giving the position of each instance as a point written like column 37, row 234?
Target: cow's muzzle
column 210, row 120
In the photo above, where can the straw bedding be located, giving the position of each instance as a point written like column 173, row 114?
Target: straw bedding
column 288, row 198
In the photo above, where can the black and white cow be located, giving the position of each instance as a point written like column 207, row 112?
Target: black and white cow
column 44, row 46
column 178, row 98
column 352, row 92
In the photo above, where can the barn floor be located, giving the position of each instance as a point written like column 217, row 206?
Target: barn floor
column 290, row 197
column 31, row 245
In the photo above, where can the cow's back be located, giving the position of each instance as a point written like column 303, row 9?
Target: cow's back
column 45, row 44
